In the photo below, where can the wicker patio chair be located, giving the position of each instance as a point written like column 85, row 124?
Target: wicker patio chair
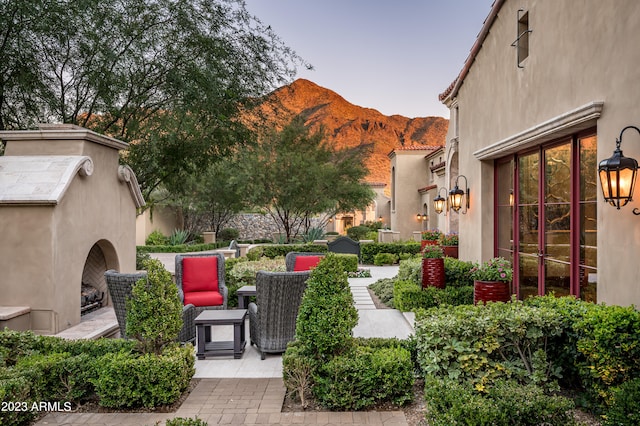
column 120, row 287
column 302, row 261
column 272, row 319
column 200, row 280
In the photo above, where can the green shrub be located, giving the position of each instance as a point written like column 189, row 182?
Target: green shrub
column 368, row 251
column 609, row 339
column 154, row 312
column 156, row 238
column 15, row 388
column 507, row 403
column 281, row 250
column 349, row 262
column 327, row 314
column 383, row 289
column 181, row 421
column 371, row 235
column 148, row 380
column 363, row 377
column 228, row 234
column 58, row 376
column 242, row 273
column 457, row 272
column 385, row 259
column 141, row 257
column 411, row 270
column 297, row 372
column 563, row 348
column 481, row 344
column 358, row 232
column 181, row 248
column 624, row 409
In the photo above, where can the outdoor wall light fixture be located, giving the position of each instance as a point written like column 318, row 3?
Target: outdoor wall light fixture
column 422, row 216
column 618, row 176
column 439, row 203
column 511, row 198
column 457, row 195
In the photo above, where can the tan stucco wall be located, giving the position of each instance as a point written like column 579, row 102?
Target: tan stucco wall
column 577, row 55
column 163, row 219
column 410, row 175
column 44, row 248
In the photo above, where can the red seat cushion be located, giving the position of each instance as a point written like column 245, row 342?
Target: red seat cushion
column 199, row 274
column 203, row 298
column 305, row 263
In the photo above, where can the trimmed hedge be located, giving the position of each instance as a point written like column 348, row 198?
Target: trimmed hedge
column 180, row 248
column 409, row 297
column 450, row 403
column 147, row 380
column 368, row 251
column 280, row 250
column 363, row 377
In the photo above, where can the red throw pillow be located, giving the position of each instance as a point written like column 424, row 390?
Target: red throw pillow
column 199, row 274
column 305, row 263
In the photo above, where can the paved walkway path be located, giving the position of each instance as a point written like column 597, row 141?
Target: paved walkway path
column 250, row 391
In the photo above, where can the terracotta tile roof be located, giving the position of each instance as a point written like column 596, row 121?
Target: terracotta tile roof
column 452, row 90
column 377, row 184
column 427, row 188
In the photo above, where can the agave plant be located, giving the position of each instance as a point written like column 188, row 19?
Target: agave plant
column 313, row 234
column 178, row 237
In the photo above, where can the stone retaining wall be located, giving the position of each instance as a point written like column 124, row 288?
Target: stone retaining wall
column 253, row 226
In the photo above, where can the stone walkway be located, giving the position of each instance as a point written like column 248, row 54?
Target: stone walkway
column 250, row 391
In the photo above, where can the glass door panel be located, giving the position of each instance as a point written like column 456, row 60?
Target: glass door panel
column 557, row 220
column 558, row 278
column 528, row 223
column 588, row 253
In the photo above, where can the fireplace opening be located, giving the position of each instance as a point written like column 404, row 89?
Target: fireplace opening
column 93, row 289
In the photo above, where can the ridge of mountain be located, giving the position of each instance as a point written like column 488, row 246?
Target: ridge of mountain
column 348, row 125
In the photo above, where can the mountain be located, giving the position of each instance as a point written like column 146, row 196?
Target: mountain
column 349, row 125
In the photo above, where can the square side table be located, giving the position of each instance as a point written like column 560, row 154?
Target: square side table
column 207, row 347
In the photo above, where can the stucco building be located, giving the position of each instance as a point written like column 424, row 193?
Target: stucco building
column 416, row 174
column 545, row 92
column 67, row 214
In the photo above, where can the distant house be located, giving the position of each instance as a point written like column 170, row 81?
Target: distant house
column 416, row 174
column 544, row 94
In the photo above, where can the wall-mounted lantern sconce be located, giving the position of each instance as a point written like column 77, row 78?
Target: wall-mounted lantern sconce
column 439, row 203
column 511, row 200
column 422, row 217
column 331, row 220
column 379, row 218
column 618, row 176
column 457, row 195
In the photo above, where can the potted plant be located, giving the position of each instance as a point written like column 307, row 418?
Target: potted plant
column 449, row 243
column 432, row 266
column 492, row 281
column 430, row 237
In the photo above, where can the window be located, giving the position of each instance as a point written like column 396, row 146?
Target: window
column 522, row 40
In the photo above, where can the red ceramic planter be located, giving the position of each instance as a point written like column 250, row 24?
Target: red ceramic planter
column 433, row 273
column 450, row 251
column 491, row 291
column 427, row 243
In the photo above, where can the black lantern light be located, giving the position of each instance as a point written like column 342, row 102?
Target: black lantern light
column 457, row 195
column 439, row 203
column 618, row 176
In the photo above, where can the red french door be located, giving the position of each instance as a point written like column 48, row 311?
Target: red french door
column 546, row 218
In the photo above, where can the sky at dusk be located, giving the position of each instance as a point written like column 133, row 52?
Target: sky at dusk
column 395, row 56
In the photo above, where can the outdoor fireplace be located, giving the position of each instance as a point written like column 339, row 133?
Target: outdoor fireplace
column 67, row 214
